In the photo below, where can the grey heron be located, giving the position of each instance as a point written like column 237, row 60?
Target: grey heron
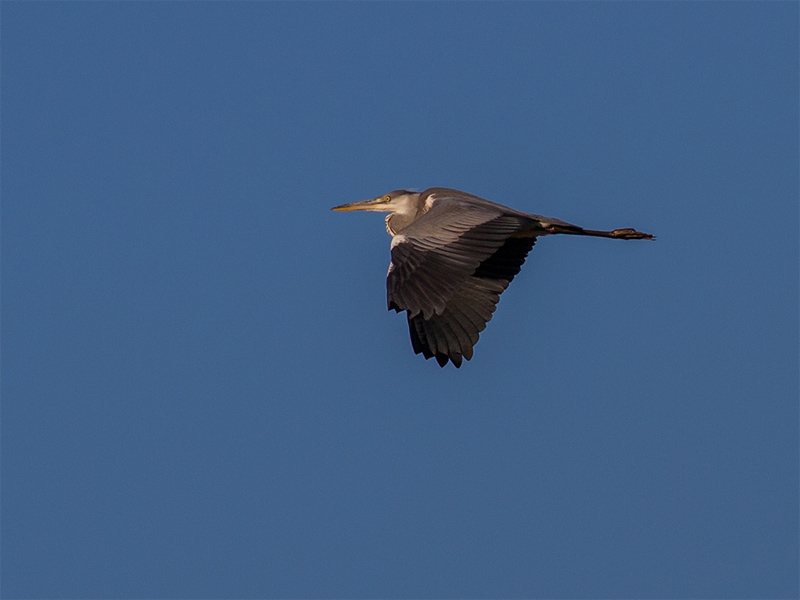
column 452, row 255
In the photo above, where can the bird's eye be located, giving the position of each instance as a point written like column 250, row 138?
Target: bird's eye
column 387, row 198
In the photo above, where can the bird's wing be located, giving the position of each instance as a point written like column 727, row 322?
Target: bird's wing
column 435, row 254
column 448, row 270
column 452, row 334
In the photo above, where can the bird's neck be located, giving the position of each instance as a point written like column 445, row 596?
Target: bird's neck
column 396, row 221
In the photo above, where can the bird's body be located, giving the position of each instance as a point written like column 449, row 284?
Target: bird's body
column 453, row 254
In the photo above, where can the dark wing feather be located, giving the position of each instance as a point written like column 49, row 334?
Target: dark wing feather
column 433, row 256
column 470, row 308
column 448, row 270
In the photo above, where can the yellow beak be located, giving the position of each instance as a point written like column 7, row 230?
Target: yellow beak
column 373, row 204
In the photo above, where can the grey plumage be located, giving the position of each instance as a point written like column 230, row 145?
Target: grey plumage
column 453, row 254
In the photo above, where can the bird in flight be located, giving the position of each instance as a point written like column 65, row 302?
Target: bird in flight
column 453, row 254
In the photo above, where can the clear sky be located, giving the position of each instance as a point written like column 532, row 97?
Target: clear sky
column 203, row 394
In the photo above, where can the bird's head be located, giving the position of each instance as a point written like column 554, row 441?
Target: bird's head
column 398, row 201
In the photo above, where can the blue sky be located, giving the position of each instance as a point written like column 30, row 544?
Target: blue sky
column 203, row 394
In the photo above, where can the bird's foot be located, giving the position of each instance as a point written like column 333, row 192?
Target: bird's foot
column 631, row 234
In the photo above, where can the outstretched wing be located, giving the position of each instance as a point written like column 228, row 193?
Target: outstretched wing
column 448, row 270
